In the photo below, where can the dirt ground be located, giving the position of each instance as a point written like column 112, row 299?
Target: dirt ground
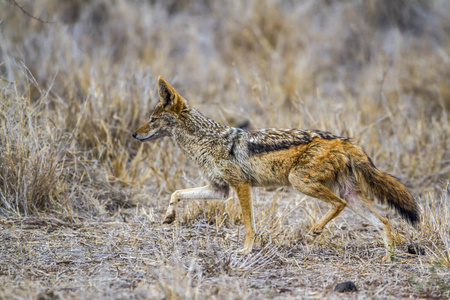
column 131, row 255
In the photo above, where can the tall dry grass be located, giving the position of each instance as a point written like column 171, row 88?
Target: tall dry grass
column 73, row 90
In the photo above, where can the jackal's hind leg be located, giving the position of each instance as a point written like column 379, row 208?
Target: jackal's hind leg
column 305, row 183
column 362, row 207
column 384, row 228
column 208, row 192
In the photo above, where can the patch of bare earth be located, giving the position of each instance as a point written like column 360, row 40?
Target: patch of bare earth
column 131, row 255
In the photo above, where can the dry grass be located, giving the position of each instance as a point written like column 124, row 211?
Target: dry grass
column 81, row 202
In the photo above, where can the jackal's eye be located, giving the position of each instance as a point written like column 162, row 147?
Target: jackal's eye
column 153, row 120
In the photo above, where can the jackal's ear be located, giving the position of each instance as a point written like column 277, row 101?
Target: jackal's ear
column 169, row 98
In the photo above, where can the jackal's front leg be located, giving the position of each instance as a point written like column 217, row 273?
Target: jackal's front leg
column 201, row 193
column 243, row 192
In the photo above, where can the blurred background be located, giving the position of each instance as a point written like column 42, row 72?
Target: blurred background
column 78, row 77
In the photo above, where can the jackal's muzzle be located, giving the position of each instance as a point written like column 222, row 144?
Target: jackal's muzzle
column 144, row 137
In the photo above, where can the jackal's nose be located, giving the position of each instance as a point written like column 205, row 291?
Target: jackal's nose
column 134, row 135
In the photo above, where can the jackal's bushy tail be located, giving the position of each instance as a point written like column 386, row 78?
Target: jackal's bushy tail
column 386, row 189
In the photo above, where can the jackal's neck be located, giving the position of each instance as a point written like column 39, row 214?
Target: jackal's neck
column 198, row 136
column 194, row 122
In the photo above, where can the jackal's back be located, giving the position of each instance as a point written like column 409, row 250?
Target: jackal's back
column 267, row 140
column 266, row 157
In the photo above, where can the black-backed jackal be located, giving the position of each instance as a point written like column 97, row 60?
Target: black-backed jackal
column 316, row 163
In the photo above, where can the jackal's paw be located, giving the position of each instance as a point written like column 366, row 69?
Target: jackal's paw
column 309, row 239
column 245, row 250
column 169, row 218
column 312, row 236
column 389, row 257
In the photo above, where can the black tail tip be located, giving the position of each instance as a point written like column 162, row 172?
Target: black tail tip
column 413, row 217
column 134, row 135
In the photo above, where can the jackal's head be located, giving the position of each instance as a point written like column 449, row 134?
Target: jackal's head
column 164, row 116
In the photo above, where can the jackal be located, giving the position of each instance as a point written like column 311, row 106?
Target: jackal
column 317, row 163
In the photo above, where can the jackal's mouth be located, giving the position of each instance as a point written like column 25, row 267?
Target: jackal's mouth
column 145, row 138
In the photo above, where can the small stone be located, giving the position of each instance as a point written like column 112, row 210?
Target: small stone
column 284, row 290
column 415, row 249
column 343, row 287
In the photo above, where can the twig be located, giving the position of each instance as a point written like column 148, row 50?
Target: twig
column 14, row 3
